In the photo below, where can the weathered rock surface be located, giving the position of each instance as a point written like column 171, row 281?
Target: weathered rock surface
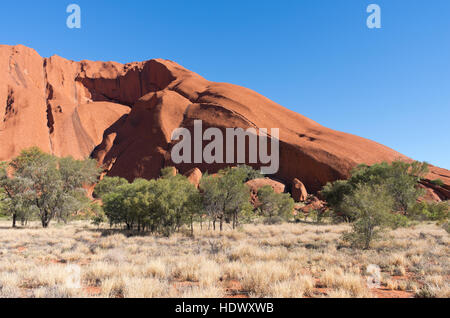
column 433, row 190
column 299, row 192
column 313, row 204
column 429, row 195
column 124, row 114
column 194, row 176
column 257, row 184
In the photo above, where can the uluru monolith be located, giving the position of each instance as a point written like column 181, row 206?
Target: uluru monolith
column 123, row 115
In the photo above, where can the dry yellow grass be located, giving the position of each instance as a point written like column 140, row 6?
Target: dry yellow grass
column 287, row 260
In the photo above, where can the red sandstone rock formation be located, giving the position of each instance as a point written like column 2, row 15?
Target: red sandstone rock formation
column 299, row 192
column 124, row 114
column 313, row 204
column 257, row 184
column 429, row 195
column 194, row 176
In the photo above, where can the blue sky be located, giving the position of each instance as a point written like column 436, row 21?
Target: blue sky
column 316, row 57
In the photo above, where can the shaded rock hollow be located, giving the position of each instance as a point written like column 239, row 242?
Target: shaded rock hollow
column 123, row 115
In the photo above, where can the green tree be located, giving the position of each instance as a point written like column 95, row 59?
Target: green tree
column 99, row 215
column 371, row 207
column 432, row 211
column 399, row 178
column 16, row 196
column 168, row 172
column 128, row 204
column 275, row 205
column 161, row 206
column 248, row 173
column 226, row 196
column 334, row 193
column 107, row 185
column 3, row 199
column 176, row 202
column 54, row 185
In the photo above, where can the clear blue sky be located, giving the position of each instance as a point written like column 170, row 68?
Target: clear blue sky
column 316, row 57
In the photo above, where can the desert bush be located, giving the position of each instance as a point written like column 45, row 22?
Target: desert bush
column 161, row 206
column 99, row 216
column 248, row 173
column 318, row 215
column 3, row 200
column 176, row 202
column 432, row 211
column 47, row 186
column 108, row 185
column 437, row 182
column 399, row 178
column 275, row 205
column 225, row 197
column 370, row 206
column 333, row 193
column 396, row 220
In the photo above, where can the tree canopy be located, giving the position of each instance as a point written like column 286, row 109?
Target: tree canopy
column 275, row 205
column 226, row 196
column 46, row 185
column 399, row 178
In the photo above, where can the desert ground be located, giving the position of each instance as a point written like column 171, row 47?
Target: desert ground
column 287, row 260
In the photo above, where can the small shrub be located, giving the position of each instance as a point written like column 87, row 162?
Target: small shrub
column 99, row 219
column 398, row 220
column 399, row 178
column 317, row 215
column 430, row 211
column 437, row 182
column 371, row 206
column 273, row 204
column 272, row 220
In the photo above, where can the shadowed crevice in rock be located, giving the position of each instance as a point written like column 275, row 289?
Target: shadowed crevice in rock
column 9, row 107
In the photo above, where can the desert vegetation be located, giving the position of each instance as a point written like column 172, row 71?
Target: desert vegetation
column 169, row 238
column 256, row 260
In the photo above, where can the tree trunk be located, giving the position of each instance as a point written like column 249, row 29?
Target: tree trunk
column 14, row 220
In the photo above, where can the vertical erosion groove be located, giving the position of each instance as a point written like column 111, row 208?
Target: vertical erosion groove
column 48, row 97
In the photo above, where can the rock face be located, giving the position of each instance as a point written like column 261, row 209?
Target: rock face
column 433, row 190
column 299, row 192
column 194, row 176
column 313, row 204
column 123, row 115
column 429, row 195
column 257, row 184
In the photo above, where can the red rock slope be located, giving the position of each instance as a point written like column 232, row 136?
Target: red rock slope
column 123, row 115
